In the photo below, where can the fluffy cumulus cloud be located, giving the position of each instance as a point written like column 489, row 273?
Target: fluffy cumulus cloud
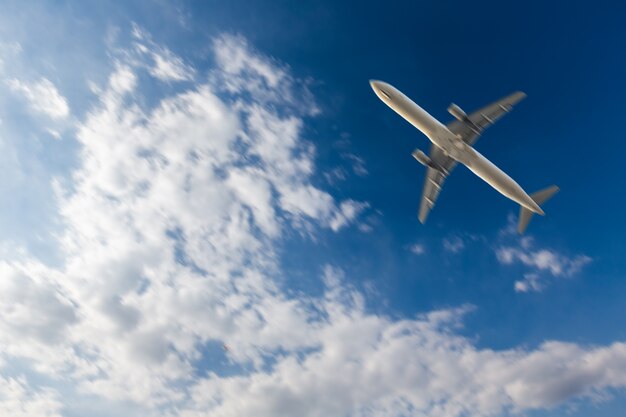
column 169, row 246
column 370, row 366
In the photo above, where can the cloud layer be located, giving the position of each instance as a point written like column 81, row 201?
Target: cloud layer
column 171, row 230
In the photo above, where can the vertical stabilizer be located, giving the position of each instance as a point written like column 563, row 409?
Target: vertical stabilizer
column 539, row 197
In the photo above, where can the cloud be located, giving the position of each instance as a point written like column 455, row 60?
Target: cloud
column 453, row 244
column 543, row 260
column 333, row 176
column 357, row 163
column 169, row 67
column 163, row 65
column 261, row 77
column 531, row 282
column 541, row 264
column 43, row 97
column 371, row 366
column 417, row 248
column 31, row 305
column 170, row 225
column 348, row 211
column 17, row 399
column 171, row 229
column 540, row 261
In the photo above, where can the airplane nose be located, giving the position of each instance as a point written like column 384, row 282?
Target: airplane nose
column 375, row 84
column 381, row 89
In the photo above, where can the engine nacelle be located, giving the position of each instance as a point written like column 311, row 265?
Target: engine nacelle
column 422, row 158
column 457, row 112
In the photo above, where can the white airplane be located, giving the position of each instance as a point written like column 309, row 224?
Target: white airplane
column 453, row 142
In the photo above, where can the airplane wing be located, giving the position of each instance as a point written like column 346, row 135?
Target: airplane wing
column 470, row 131
column 434, row 180
column 481, row 119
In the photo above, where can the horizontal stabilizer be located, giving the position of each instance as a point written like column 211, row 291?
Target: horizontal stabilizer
column 539, row 197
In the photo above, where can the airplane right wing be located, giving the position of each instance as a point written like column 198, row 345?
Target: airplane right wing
column 434, row 180
column 481, row 119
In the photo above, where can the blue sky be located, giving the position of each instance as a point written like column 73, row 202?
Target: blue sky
column 182, row 176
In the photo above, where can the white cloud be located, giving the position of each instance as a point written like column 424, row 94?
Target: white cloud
column 31, row 305
column 122, row 81
column 164, row 64
column 417, row 248
column 531, row 282
column 453, row 244
column 169, row 246
column 168, row 67
column 370, row 366
column 539, row 261
column 17, row 399
column 43, row 97
column 234, row 57
column 358, row 164
column 262, row 77
column 54, row 133
column 348, row 211
column 335, row 175
column 542, row 263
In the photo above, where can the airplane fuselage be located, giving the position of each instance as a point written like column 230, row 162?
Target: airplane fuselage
column 453, row 146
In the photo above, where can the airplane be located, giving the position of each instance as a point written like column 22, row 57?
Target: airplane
column 453, row 143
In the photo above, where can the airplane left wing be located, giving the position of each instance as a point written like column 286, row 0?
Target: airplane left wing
column 434, row 180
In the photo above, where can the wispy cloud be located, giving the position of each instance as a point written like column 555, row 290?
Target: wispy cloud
column 348, row 211
column 543, row 260
column 417, row 248
column 540, row 261
column 357, row 163
column 163, row 64
column 267, row 80
column 42, row 96
column 453, row 244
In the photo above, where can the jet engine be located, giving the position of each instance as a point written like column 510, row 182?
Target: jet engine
column 427, row 162
column 457, row 112
column 422, row 158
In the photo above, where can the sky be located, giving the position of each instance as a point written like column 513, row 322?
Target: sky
column 206, row 211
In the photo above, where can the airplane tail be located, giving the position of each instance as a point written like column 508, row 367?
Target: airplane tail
column 539, row 197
